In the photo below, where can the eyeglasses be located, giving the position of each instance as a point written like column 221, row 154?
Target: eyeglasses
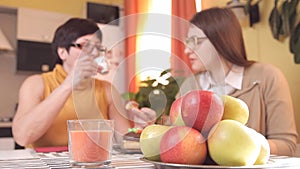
column 193, row 41
column 89, row 47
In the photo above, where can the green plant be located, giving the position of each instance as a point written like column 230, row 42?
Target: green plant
column 282, row 21
column 157, row 95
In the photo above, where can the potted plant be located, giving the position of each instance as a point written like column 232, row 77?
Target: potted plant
column 157, row 94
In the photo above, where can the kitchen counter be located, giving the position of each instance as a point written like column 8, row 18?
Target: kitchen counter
column 5, row 124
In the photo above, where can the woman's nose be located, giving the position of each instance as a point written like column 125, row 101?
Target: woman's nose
column 95, row 51
column 187, row 50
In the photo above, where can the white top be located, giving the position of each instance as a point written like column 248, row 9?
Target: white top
column 233, row 81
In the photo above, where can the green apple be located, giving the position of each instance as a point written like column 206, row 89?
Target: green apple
column 235, row 109
column 150, row 140
column 231, row 143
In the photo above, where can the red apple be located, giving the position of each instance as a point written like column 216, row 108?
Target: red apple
column 175, row 113
column 183, row 145
column 201, row 110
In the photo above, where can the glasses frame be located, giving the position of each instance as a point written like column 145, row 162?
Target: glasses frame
column 195, row 41
column 77, row 45
column 89, row 47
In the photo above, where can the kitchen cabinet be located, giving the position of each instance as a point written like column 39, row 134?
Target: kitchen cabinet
column 35, row 31
column 6, row 140
column 37, row 25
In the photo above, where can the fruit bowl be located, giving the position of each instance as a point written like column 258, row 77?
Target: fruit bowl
column 271, row 164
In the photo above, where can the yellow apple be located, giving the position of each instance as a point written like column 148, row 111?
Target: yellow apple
column 150, row 140
column 231, row 143
column 235, row 109
column 264, row 154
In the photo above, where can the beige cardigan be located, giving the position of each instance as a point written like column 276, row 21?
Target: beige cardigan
column 266, row 92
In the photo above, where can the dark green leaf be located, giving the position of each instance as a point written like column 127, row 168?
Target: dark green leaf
column 297, row 47
column 295, row 44
column 295, row 39
column 297, row 58
column 285, row 19
column 165, row 72
column 289, row 13
column 293, row 13
column 275, row 21
column 247, row 7
column 128, row 96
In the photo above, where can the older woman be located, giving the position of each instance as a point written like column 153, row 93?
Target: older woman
column 48, row 100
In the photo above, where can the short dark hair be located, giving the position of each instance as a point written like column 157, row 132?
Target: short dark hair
column 223, row 29
column 71, row 30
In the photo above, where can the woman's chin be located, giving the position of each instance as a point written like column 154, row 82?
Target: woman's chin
column 196, row 70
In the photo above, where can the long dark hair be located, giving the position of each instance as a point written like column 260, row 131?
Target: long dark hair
column 71, row 30
column 223, row 29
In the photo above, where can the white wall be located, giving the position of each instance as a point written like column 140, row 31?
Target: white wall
column 10, row 84
column 10, row 80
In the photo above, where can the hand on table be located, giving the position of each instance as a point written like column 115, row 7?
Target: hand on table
column 141, row 117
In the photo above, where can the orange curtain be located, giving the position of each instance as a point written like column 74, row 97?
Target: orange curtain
column 130, row 23
column 182, row 11
column 131, row 10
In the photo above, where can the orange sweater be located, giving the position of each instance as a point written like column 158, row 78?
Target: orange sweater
column 76, row 107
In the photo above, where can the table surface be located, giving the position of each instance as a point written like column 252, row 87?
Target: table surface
column 28, row 158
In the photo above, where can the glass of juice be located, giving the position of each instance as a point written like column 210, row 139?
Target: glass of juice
column 90, row 142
